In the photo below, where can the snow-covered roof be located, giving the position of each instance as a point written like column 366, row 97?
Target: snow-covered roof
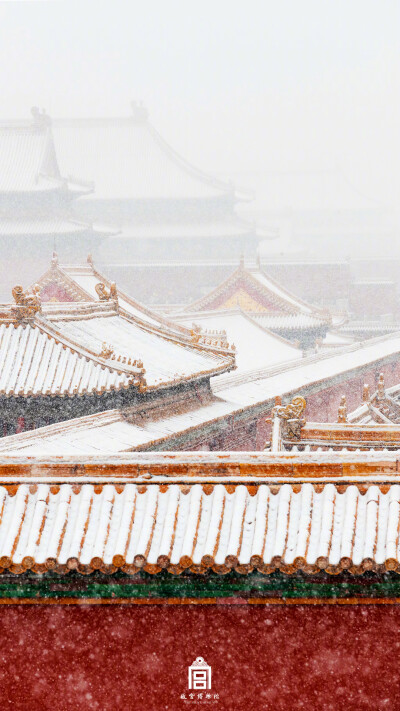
column 381, row 406
column 112, row 432
column 255, row 291
column 152, row 527
column 79, row 281
column 165, row 361
column 127, row 159
column 36, row 361
column 87, row 347
column 256, row 347
column 35, row 226
column 27, row 160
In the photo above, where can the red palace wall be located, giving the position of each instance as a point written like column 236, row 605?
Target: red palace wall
column 322, row 657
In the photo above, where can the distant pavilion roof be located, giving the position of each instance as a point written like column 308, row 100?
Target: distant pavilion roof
column 28, row 161
column 127, row 159
column 258, row 294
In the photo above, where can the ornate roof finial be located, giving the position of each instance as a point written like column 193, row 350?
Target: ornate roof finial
column 258, row 259
column 342, row 410
column 40, row 118
column 106, row 351
column 366, row 395
column 381, row 386
column 293, row 410
column 105, row 294
column 241, row 262
column 139, row 111
column 291, row 415
column 89, row 259
column 54, row 260
column 27, row 305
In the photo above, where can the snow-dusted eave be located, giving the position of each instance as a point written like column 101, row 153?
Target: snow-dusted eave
column 37, row 360
column 81, row 524
column 224, row 362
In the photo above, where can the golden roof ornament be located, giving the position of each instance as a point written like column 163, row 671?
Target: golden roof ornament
column 342, row 410
column 54, row 260
column 27, row 305
column 106, row 351
column 366, row 394
column 291, row 416
column 105, row 294
column 381, row 387
column 291, row 411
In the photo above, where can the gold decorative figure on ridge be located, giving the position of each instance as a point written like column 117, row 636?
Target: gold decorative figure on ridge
column 27, row 305
column 342, row 410
column 105, row 294
column 291, row 416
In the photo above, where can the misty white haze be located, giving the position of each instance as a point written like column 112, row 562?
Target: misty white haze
column 296, row 104
column 235, row 87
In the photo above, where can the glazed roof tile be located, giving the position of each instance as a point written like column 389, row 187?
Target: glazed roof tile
column 165, row 361
column 197, row 527
column 34, row 361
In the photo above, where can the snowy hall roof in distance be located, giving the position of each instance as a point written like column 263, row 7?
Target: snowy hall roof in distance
column 28, row 159
column 35, row 197
column 127, row 159
column 261, row 297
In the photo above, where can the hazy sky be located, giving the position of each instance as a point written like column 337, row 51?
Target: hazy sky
column 282, row 84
